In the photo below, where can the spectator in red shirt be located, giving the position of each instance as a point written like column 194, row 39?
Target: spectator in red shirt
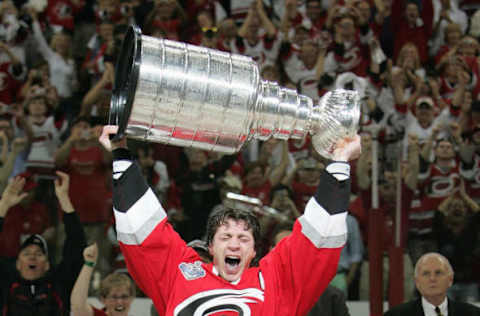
column 167, row 15
column 260, row 177
column 88, row 165
column 412, row 24
column 453, row 35
column 12, row 74
column 303, row 180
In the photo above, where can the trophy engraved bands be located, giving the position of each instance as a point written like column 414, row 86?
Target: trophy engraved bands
column 192, row 96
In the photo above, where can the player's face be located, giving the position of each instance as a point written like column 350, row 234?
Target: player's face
column 32, row 263
column 433, row 278
column 232, row 248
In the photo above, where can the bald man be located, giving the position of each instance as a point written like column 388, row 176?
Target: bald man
column 433, row 277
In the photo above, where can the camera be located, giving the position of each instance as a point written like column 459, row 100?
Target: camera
column 25, row 20
column 125, row 9
column 209, row 32
column 65, row 11
column 103, row 14
column 37, row 80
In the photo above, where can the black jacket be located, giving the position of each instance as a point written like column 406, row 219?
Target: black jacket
column 331, row 303
column 49, row 295
column 414, row 308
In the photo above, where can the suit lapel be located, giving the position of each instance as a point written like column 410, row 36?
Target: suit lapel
column 418, row 308
column 450, row 307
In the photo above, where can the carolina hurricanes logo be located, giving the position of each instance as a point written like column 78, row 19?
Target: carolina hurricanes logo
column 443, row 186
column 216, row 301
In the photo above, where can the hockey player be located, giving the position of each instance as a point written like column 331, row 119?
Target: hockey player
column 288, row 281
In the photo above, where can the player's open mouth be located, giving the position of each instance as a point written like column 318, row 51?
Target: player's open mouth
column 32, row 266
column 233, row 262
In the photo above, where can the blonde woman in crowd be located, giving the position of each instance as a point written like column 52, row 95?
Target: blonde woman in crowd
column 117, row 290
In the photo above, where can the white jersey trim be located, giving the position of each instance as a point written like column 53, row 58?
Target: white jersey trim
column 140, row 220
column 322, row 229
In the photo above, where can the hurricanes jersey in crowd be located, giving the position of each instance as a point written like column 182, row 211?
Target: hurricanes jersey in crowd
column 287, row 281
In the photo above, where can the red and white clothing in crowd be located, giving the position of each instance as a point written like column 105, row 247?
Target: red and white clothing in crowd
column 99, row 312
column 262, row 192
column 62, row 71
column 174, row 277
column 419, row 34
column 20, row 223
column 89, row 185
column 300, row 75
column 302, row 194
column 455, row 15
column 354, row 58
column 447, row 88
column 471, row 175
column 236, row 10
column 314, row 27
column 300, row 148
column 16, row 42
column 435, row 185
column 420, row 221
column 264, row 52
column 413, row 127
column 60, row 13
column 46, row 140
column 10, row 83
column 95, row 55
column 388, row 208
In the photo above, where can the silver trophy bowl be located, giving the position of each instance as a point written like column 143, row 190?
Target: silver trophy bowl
column 186, row 95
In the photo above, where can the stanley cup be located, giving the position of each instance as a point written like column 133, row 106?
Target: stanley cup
column 192, row 96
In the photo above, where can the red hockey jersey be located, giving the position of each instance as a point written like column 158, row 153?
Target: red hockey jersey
column 288, row 281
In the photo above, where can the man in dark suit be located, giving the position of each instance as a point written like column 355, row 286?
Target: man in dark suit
column 433, row 277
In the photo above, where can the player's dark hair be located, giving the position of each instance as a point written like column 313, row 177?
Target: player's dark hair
column 220, row 217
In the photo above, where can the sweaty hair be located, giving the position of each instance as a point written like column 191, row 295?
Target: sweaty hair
column 221, row 217
column 114, row 280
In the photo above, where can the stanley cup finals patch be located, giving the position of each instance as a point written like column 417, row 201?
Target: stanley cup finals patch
column 192, row 271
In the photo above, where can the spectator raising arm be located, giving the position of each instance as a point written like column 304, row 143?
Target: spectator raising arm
column 96, row 92
column 78, row 299
column 75, row 242
column 18, row 145
column 12, row 195
column 266, row 23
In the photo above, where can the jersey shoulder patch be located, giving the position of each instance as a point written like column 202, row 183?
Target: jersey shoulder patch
column 192, row 271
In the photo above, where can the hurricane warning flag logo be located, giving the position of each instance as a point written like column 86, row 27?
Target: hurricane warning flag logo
column 216, row 301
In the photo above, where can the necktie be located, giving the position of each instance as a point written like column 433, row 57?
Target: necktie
column 437, row 310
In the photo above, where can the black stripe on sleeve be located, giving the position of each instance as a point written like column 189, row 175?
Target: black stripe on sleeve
column 333, row 195
column 129, row 188
column 121, row 154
